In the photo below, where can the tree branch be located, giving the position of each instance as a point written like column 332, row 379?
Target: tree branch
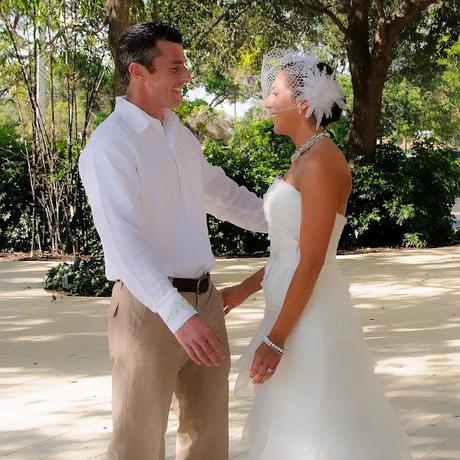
column 358, row 31
column 156, row 11
column 321, row 8
column 390, row 28
column 406, row 13
column 201, row 35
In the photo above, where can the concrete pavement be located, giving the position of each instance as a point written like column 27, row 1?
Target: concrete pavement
column 55, row 372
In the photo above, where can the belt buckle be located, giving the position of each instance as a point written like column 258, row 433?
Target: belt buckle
column 204, row 278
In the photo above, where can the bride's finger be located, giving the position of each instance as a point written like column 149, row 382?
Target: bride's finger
column 259, row 376
column 270, row 370
column 254, row 368
column 268, row 374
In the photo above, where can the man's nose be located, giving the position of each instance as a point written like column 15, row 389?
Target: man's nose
column 187, row 77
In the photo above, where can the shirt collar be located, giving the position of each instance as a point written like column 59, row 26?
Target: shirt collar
column 139, row 120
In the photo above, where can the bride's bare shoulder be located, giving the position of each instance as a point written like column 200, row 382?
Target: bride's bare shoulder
column 326, row 162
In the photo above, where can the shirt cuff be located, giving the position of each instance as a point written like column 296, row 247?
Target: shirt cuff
column 175, row 311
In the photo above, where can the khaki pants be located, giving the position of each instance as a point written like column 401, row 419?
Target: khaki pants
column 148, row 367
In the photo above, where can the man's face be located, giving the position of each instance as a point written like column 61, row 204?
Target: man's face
column 164, row 85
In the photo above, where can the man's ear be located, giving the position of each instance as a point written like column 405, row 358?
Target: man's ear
column 136, row 71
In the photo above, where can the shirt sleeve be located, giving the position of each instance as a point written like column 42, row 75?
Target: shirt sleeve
column 228, row 201
column 112, row 185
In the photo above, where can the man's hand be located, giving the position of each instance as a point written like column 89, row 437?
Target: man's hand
column 233, row 296
column 200, row 342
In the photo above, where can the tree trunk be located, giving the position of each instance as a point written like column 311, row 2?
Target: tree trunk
column 368, row 81
column 156, row 11
column 118, row 23
column 369, row 69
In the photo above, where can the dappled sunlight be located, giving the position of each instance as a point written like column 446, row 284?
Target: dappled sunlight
column 421, row 329
column 417, row 366
column 55, row 381
column 408, row 304
column 26, row 323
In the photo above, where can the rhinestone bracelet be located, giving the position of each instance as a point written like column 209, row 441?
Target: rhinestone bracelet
column 274, row 346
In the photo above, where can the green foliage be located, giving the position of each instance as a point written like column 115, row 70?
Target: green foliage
column 189, row 108
column 253, row 157
column 387, row 207
column 442, row 103
column 15, row 196
column 100, row 117
column 404, row 199
column 86, row 278
column 410, row 108
column 16, row 199
column 205, row 122
column 424, row 44
column 220, row 85
column 339, row 132
column 402, row 111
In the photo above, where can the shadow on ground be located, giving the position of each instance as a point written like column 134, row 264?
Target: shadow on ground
column 55, row 371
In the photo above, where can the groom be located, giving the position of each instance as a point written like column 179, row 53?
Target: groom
column 150, row 188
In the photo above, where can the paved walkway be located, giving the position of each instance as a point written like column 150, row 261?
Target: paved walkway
column 54, row 369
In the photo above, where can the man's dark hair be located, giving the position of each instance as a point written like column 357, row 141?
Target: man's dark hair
column 138, row 44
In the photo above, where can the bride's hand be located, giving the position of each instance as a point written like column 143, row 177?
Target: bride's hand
column 264, row 364
column 233, row 296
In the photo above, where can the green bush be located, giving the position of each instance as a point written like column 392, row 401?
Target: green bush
column 404, row 198
column 15, row 194
column 253, row 158
column 86, row 278
column 16, row 201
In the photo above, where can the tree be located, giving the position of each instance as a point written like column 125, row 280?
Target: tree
column 118, row 16
column 371, row 31
column 442, row 100
column 226, row 40
column 69, row 35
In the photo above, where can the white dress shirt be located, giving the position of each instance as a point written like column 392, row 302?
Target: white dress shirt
column 150, row 187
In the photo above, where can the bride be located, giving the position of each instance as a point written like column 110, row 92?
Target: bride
column 316, row 396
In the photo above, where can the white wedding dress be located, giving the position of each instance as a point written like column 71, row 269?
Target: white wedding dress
column 324, row 401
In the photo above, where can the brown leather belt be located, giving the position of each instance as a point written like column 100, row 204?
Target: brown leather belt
column 200, row 285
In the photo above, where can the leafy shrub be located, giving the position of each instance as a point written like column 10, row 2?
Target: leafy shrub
column 15, row 195
column 85, row 278
column 253, row 158
column 404, row 198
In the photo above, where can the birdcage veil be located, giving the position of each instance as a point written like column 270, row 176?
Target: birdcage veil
column 306, row 81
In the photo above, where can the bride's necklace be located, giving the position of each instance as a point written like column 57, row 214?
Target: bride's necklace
column 307, row 145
